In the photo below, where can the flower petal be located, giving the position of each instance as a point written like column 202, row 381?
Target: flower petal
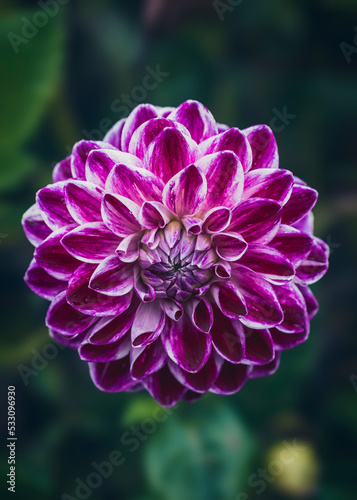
column 230, row 140
column 42, row 283
column 264, row 148
column 147, row 360
column 283, row 340
column 91, row 242
column 112, row 376
column 52, row 205
column 292, row 243
column 62, row 171
column 301, row 201
column 154, row 214
column 102, row 161
column 225, row 180
column 86, row 300
column 259, row 347
column 217, row 219
column 261, row 301
column 164, row 387
column 185, row 192
column 103, row 353
column 230, row 379
column 120, row 214
column 139, row 115
column 80, row 154
column 201, row 314
column 228, row 337
column 169, row 153
column 34, row 226
column 312, row 305
column 187, row 346
column 229, row 246
column 229, row 300
column 258, row 371
column 54, row 258
column 128, row 249
column 148, row 324
column 196, row 118
column 64, row 319
column 172, row 308
column 294, row 308
column 112, row 329
column 275, row 184
column 200, row 381
column 83, row 201
column 256, row 219
column 316, row 263
column 112, row 277
column 113, row 136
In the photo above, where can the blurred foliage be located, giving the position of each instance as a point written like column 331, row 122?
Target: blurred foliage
column 60, row 87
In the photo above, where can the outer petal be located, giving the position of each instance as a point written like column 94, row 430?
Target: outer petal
column 147, row 360
column 91, row 242
column 35, row 228
column 101, row 162
column 86, row 300
column 228, row 337
column 316, row 263
column 148, row 324
column 111, row 330
column 275, row 184
column 102, row 353
column 42, row 283
column 292, row 243
column 200, row 381
column 120, row 214
column 113, row 376
column 312, row 305
column 64, row 319
column 228, row 299
column 301, row 201
column 264, row 148
column 259, row 347
column 80, row 154
column 294, row 309
column 113, row 136
column 139, row 115
column 264, row 370
column 187, row 346
column 283, row 340
column 54, row 258
column 164, row 387
column 83, row 201
column 230, row 140
column 112, row 277
column 230, row 379
column 229, row 246
column 197, row 119
column 256, row 219
column 185, row 193
column 62, row 171
column 261, row 301
column 169, row 153
column 225, row 180
column 52, row 205
column 137, row 184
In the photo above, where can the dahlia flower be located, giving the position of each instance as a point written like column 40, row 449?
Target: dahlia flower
column 176, row 254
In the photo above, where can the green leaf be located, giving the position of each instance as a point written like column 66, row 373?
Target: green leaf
column 30, row 62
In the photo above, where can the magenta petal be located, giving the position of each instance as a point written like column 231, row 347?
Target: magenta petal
column 292, row 243
column 187, row 346
column 256, row 219
column 169, row 153
column 185, row 192
column 80, row 154
column 86, row 300
column 71, row 341
column 259, row 347
column 264, row 148
column 265, row 370
column 137, row 184
column 229, row 300
column 102, row 353
column 147, row 360
column 306, row 224
column 154, row 214
column 268, row 262
column 201, row 314
column 91, row 242
column 42, row 283
column 228, row 337
column 139, row 115
column 83, row 200
column 172, row 308
column 316, row 263
column 102, row 161
column 51, row 202
column 164, row 387
column 120, row 214
column 229, row 246
column 148, row 324
column 294, row 308
column 112, row 277
column 113, row 136
column 54, row 258
column 109, row 330
column 113, row 376
column 128, row 249
column 275, row 184
column 62, row 171
column 230, row 379
column 283, row 340
column 312, row 305
column 35, row 228
column 225, row 180
column 230, row 140
column 216, row 219
column 261, row 301
column 301, row 201
column 64, row 319
column 196, row 118
column 200, row 381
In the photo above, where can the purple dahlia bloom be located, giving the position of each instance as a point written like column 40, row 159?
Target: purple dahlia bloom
column 176, row 254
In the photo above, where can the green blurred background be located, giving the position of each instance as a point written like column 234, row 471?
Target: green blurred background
column 65, row 80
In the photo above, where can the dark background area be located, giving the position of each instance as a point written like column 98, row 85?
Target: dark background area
column 65, row 81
